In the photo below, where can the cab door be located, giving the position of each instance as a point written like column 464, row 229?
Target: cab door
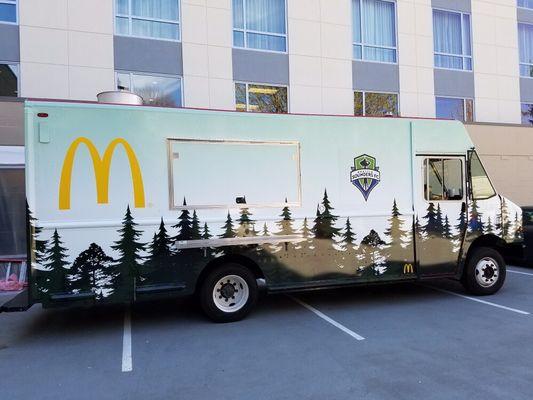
column 440, row 212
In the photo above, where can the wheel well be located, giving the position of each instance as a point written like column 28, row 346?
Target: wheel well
column 230, row 258
column 491, row 241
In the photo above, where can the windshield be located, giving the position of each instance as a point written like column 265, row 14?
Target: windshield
column 481, row 186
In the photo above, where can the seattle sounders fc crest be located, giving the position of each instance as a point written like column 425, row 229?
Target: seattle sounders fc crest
column 365, row 174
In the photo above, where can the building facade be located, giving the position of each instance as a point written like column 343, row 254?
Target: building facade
column 464, row 59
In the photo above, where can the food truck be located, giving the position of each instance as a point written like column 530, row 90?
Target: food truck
column 128, row 203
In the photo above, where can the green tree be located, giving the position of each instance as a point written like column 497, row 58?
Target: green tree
column 196, row 234
column 397, row 237
column 160, row 262
column 433, row 226
column 229, row 232
column 517, row 227
column 39, row 244
column 447, row 231
column 92, row 271
column 475, row 224
column 265, row 230
column 206, row 235
column 184, row 225
column 128, row 264
column 503, row 223
column 348, row 236
column 245, row 227
column 55, row 263
column 285, row 225
column 489, row 228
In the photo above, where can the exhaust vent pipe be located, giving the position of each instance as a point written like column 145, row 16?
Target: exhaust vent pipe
column 119, row 97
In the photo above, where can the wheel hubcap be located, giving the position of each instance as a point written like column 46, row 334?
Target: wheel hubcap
column 487, row 272
column 230, row 293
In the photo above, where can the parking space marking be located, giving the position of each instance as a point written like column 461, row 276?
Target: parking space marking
column 328, row 319
column 127, row 360
column 478, row 300
column 519, row 272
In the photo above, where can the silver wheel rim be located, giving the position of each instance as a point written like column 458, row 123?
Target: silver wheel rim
column 487, row 272
column 230, row 293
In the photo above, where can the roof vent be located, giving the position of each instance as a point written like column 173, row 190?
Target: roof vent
column 119, row 97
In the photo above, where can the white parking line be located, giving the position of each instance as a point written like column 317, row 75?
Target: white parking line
column 127, row 360
column 519, row 272
column 328, row 319
column 477, row 300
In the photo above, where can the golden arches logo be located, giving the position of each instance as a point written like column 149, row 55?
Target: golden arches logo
column 408, row 269
column 101, row 166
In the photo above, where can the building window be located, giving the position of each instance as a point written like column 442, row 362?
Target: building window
column 261, row 98
column 455, row 108
column 527, row 114
column 451, row 36
column 260, row 24
column 525, row 3
column 375, row 104
column 164, row 91
column 8, row 11
column 148, row 18
column 374, row 30
column 525, row 44
column 9, row 80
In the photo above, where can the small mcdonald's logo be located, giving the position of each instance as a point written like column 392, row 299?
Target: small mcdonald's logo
column 101, row 167
column 408, row 269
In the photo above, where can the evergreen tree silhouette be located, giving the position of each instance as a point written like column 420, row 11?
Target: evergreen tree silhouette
column 489, row 227
column 228, row 228
column 306, row 232
column 326, row 228
column 475, row 224
column 206, row 235
column 503, row 223
column 348, row 236
column 184, row 225
column 265, row 230
column 439, row 220
column 432, row 227
column 92, row 272
column 55, row 264
column 245, row 223
column 517, row 228
column 447, row 231
column 196, row 234
column 397, row 237
column 285, row 224
column 39, row 244
column 127, row 266
column 461, row 225
column 159, row 262
column 371, row 255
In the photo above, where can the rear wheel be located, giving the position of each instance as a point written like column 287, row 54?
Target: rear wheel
column 228, row 293
column 485, row 271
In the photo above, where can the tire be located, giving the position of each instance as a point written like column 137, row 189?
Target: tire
column 228, row 293
column 484, row 272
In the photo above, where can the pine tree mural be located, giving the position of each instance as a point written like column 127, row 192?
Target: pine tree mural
column 517, row 228
column 325, row 229
column 184, row 225
column 503, row 223
column 397, row 237
column 475, row 224
column 447, row 229
column 265, row 232
column 127, row 266
column 196, row 233
column 160, row 263
column 489, row 228
column 439, row 220
column 228, row 233
column 40, row 245
column 348, row 236
column 54, row 277
column 244, row 228
column 206, row 234
column 92, row 271
column 285, row 224
column 371, row 254
column 433, row 225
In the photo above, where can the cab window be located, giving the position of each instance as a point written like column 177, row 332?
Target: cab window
column 443, row 179
column 481, row 187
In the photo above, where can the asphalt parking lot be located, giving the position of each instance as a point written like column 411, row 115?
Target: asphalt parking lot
column 408, row 341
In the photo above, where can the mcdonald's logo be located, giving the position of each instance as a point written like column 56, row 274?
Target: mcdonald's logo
column 101, row 166
column 408, row 269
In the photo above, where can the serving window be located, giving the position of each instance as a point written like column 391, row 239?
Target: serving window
column 443, row 179
column 229, row 174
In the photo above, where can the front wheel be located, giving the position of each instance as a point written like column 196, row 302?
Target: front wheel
column 228, row 293
column 485, row 272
